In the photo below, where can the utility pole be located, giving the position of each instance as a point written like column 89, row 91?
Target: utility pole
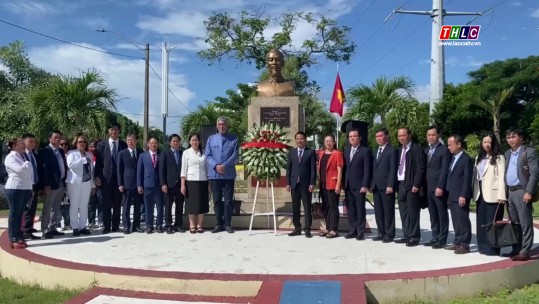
column 437, row 60
column 165, row 48
column 146, row 94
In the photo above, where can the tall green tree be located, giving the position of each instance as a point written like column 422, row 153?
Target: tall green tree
column 242, row 38
column 72, row 104
column 492, row 106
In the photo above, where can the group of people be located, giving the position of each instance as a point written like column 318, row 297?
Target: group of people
column 126, row 176
column 439, row 177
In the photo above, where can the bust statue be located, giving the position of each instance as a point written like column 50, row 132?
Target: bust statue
column 276, row 85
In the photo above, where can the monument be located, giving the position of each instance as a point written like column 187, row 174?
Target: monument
column 276, row 102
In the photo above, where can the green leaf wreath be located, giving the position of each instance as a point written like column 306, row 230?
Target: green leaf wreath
column 264, row 152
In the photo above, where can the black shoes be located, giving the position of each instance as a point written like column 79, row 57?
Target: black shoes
column 387, row 240
column 430, row 243
column 217, row 229
column 378, row 238
column 105, row 231
column 76, row 232
column 402, row 241
column 350, row 235
column 30, row 236
column 308, row 234
column 295, row 232
column 229, row 229
column 360, row 237
column 412, row 243
column 438, row 245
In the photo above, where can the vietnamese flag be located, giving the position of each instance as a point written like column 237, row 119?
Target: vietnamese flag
column 337, row 100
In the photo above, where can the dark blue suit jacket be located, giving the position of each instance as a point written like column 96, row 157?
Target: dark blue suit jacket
column 459, row 180
column 384, row 173
column 169, row 171
column 127, row 169
column 105, row 168
column 51, row 169
column 147, row 175
column 304, row 169
column 357, row 171
column 437, row 167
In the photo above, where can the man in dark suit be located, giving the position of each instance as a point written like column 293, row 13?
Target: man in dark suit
column 357, row 179
column 459, row 192
column 148, row 185
column 521, row 176
column 37, row 185
column 55, row 170
column 301, row 178
column 410, row 177
column 384, row 179
column 170, row 164
column 127, row 184
column 438, row 158
column 105, row 172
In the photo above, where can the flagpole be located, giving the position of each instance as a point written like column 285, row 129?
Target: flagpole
column 338, row 118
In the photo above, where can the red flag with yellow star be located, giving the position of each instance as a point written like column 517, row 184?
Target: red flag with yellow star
column 337, row 101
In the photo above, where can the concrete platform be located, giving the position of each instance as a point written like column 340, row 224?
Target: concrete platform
column 238, row 268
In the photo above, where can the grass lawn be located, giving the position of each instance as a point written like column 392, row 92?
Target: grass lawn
column 14, row 293
column 528, row 294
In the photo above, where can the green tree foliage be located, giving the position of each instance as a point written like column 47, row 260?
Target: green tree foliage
column 207, row 115
column 80, row 104
column 20, row 77
column 242, row 38
column 457, row 114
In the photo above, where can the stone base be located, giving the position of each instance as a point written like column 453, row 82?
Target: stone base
column 295, row 123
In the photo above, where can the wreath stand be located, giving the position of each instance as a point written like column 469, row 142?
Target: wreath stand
column 253, row 214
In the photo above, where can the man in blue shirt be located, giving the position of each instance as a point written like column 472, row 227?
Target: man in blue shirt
column 221, row 155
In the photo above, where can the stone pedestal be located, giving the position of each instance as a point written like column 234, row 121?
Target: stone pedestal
column 289, row 114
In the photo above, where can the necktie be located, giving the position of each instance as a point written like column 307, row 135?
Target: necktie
column 34, row 167
column 403, row 161
column 352, row 153
column 113, row 150
column 60, row 160
column 431, row 151
column 379, row 152
column 453, row 162
column 154, row 160
column 177, row 157
column 133, row 155
column 300, row 154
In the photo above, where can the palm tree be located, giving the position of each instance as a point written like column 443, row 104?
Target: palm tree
column 207, row 115
column 493, row 106
column 379, row 99
column 72, row 104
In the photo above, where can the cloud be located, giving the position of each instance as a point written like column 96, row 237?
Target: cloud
column 469, row 61
column 535, row 13
column 422, row 93
column 95, row 22
column 30, row 8
column 126, row 76
column 186, row 22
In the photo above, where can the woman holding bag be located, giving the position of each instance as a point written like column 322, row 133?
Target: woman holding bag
column 330, row 164
column 489, row 189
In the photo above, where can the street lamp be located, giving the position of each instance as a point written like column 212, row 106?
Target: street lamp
column 146, row 78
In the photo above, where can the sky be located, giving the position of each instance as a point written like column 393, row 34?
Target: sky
column 398, row 46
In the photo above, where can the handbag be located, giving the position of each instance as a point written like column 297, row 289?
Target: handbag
column 503, row 233
column 317, row 210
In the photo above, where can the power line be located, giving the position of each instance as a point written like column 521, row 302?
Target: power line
column 159, row 77
column 67, row 42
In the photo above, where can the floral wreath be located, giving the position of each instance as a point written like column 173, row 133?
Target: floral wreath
column 264, row 152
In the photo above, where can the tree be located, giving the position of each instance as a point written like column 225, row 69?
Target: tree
column 380, row 99
column 19, row 77
column 243, row 39
column 206, row 115
column 78, row 104
column 493, row 106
